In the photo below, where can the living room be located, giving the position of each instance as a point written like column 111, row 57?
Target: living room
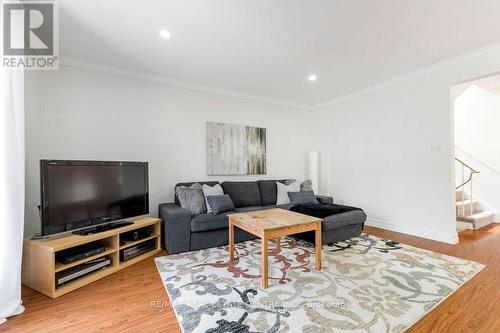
column 287, row 167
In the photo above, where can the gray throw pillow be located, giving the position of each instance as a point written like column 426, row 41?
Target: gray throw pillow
column 306, row 186
column 282, row 197
column 297, row 198
column 211, row 190
column 191, row 198
column 220, row 203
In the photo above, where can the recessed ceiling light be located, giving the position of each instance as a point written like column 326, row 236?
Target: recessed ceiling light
column 312, row 77
column 165, row 34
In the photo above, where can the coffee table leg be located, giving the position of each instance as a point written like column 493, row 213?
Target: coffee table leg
column 231, row 241
column 318, row 247
column 265, row 263
column 277, row 242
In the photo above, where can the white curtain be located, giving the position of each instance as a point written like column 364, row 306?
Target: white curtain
column 11, row 190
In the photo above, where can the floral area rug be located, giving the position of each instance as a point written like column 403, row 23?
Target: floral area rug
column 367, row 284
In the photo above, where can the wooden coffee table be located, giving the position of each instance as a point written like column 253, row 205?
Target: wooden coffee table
column 271, row 224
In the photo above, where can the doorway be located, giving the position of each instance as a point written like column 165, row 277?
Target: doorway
column 476, row 108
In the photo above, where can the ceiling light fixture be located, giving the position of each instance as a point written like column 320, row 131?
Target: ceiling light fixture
column 312, row 77
column 165, row 34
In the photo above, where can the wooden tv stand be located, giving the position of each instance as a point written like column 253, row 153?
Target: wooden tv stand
column 40, row 266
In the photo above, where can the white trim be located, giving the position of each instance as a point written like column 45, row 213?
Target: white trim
column 419, row 232
column 414, row 74
column 177, row 83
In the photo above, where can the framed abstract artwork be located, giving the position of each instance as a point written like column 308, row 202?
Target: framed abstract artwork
column 235, row 149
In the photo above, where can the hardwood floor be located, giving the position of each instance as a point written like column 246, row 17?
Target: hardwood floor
column 121, row 302
column 134, row 300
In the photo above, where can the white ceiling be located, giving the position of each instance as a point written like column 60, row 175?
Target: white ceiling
column 268, row 47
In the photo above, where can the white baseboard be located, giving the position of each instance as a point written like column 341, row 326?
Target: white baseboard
column 419, row 232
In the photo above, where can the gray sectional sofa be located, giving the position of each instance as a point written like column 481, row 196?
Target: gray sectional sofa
column 182, row 232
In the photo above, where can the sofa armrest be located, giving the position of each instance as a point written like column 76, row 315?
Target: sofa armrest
column 176, row 227
column 324, row 199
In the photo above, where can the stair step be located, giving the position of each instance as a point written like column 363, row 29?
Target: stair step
column 467, row 213
column 459, row 195
column 471, row 217
column 479, row 219
column 464, row 207
column 466, row 202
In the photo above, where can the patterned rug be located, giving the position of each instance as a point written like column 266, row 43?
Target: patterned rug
column 367, row 284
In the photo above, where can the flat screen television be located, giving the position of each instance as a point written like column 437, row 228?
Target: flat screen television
column 79, row 194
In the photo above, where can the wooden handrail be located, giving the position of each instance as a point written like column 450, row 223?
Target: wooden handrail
column 472, row 172
column 469, row 180
column 468, row 166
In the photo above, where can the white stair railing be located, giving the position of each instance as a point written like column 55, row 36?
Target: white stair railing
column 471, row 171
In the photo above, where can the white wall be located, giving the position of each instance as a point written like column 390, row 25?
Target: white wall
column 380, row 147
column 79, row 114
column 477, row 142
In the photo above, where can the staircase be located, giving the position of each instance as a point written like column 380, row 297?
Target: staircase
column 469, row 209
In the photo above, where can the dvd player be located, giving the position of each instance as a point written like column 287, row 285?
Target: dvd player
column 73, row 273
column 73, row 254
column 135, row 235
column 136, row 250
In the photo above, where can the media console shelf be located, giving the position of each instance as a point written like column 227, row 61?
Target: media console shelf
column 39, row 257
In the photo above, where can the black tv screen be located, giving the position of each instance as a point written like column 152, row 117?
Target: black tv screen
column 78, row 194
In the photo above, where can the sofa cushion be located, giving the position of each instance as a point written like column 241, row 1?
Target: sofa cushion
column 269, row 191
column 207, row 222
column 344, row 219
column 324, row 199
column 220, row 203
column 188, row 184
column 251, row 209
column 287, row 207
column 243, row 194
column 302, row 197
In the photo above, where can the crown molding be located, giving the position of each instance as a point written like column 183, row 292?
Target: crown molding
column 178, row 84
column 262, row 99
column 414, row 74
